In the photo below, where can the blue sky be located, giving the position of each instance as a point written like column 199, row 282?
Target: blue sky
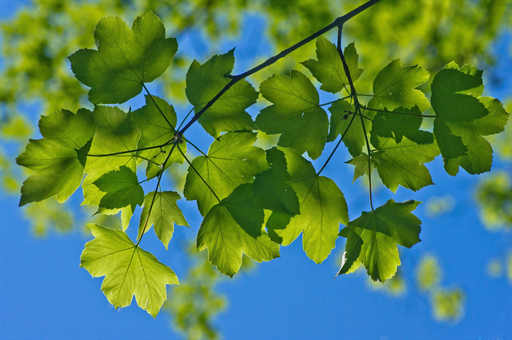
column 44, row 293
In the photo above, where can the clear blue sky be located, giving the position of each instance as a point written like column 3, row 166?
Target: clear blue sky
column 44, row 293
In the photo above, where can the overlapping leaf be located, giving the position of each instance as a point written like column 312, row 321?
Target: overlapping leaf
column 399, row 123
column 322, row 208
column 232, row 160
column 228, row 113
column 233, row 228
column 115, row 136
column 395, row 86
column 463, row 117
column 271, row 191
column 164, row 214
column 157, row 122
column 372, row 239
column 350, row 127
column 121, row 188
column 402, row 163
column 58, row 159
column 296, row 113
column 329, row 70
column 125, row 59
column 128, row 270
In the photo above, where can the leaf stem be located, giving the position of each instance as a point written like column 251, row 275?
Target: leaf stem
column 334, row 101
column 401, row 113
column 154, row 196
column 161, row 112
column 131, row 151
column 198, row 174
column 357, row 106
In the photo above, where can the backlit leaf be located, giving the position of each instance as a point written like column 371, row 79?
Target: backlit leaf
column 121, row 188
column 402, row 163
column 164, row 214
column 341, row 120
column 157, row 122
column 322, row 209
column 395, row 86
column 233, row 228
column 228, row 113
column 329, row 70
column 58, row 159
column 115, row 136
column 463, row 117
column 125, row 59
column 232, row 160
column 372, row 239
column 128, row 270
column 296, row 113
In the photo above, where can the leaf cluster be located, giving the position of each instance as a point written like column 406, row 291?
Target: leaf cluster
column 253, row 201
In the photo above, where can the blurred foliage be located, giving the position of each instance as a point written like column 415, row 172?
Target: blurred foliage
column 498, row 267
column 428, row 274
column 494, row 195
column 49, row 214
column 38, row 39
column 439, row 205
column 447, row 303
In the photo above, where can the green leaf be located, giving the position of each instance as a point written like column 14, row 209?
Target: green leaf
column 121, row 188
column 399, row 123
column 402, row 163
column 233, row 228
column 228, row 113
column 322, row 209
column 354, row 137
column 372, row 239
column 329, row 70
column 462, row 118
column 395, row 86
column 128, row 270
column 361, row 166
column 232, row 160
column 115, row 135
column 271, row 191
column 164, row 214
column 58, row 159
column 125, row 59
column 157, row 124
column 296, row 113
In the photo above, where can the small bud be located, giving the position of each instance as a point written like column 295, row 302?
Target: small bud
column 345, row 117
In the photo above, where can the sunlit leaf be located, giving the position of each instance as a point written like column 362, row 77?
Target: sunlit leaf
column 228, row 113
column 164, row 214
column 128, row 270
column 121, row 188
column 58, row 159
column 157, row 122
column 322, row 209
column 232, row 160
column 395, row 86
column 328, row 69
column 403, row 163
column 232, row 228
column 372, row 238
column 296, row 113
column 350, row 127
column 113, row 146
column 125, row 59
column 463, row 117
